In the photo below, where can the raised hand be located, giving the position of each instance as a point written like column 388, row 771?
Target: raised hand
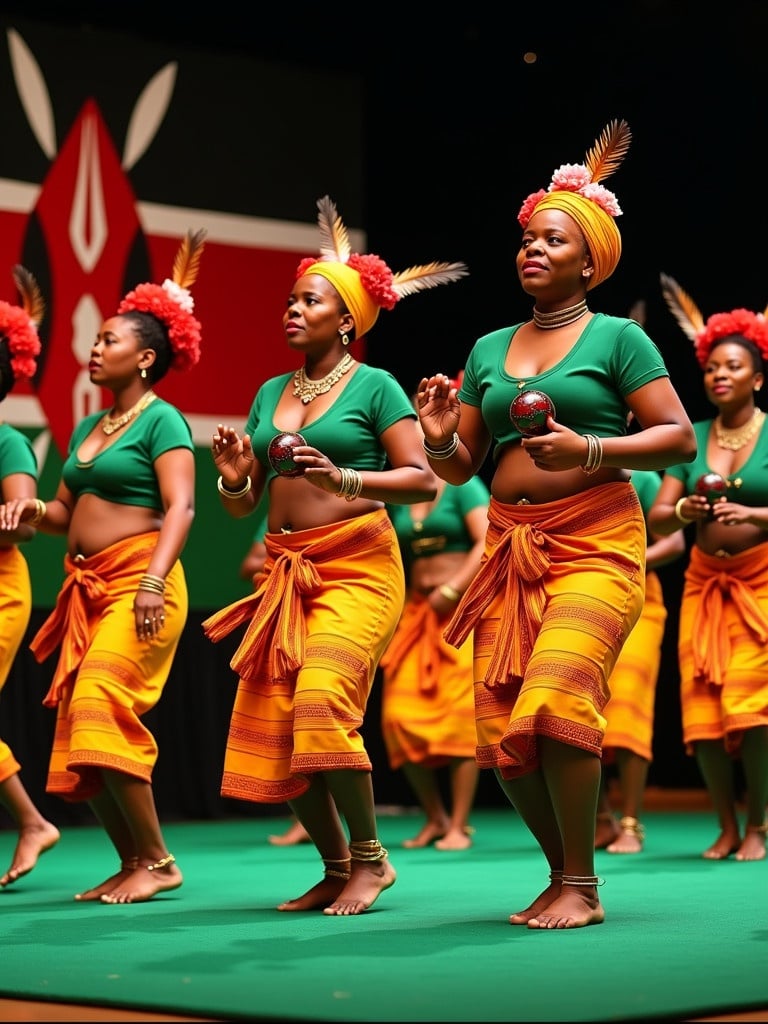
column 439, row 409
column 232, row 455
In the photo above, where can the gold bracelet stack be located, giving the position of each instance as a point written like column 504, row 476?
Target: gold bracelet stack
column 342, row 872
column 594, row 455
column 39, row 514
column 443, row 451
column 368, row 851
column 225, row 492
column 449, row 592
column 152, row 584
column 679, row 511
column 351, row 484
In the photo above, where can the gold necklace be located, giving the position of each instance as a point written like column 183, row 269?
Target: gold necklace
column 561, row 317
column 734, row 438
column 306, row 389
column 110, row 424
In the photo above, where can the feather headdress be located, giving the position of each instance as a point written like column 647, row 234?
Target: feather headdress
column 18, row 324
column 704, row 334
column 172, row 303
column 605, row 157
column 368, row 273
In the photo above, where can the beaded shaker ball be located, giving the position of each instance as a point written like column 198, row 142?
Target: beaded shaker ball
column 529, row 411
column 280, row 454
column 711, row 486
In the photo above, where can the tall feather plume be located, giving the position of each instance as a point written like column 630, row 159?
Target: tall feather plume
column 608, row 152
column 682, row 307
column 334, row 240
column 32, row 300
column 187, row 262
column 428, row 275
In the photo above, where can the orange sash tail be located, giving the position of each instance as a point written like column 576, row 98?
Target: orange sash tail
column 715, row 582
column 524, row 541
column 274, row 642
column 515, row 567
column 87, row 580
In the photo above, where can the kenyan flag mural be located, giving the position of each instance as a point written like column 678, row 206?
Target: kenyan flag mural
column 113, row 149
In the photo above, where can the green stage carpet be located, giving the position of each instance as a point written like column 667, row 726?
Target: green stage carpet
column 683, row 937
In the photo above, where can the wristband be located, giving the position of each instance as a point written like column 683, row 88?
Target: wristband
column 39, row 513
column 449, row 592
column 678, row 511
column 445, row 451
column 225, row 492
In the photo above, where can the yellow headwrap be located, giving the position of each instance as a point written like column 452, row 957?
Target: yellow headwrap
column 347, row 283
column 598, row 227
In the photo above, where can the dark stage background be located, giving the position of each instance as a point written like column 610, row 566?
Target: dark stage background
column 457, row 128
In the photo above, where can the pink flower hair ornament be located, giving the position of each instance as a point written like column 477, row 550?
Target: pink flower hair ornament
column 705, row 334
column 600, row 162
column 18, row 325
column 172, row 303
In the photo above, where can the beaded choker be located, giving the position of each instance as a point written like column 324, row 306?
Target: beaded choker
column 734, row 438
column 110, row 424
column 307, row 389
column 561, row 317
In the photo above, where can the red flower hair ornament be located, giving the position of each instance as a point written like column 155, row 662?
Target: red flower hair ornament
column 172, row 303
column 18, row 325
column 372, row 286
column 705, row 334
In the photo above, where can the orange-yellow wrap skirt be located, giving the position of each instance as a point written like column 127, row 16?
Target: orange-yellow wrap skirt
column 723, row 646
column 322, row 617
column 427, row 706
column 106, row 678
column 629, row 712
column 15, row 609
column 558, row 591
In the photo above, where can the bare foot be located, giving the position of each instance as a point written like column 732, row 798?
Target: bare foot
column 369, row 879
column 318, row 897
column 542, row 901
column 454, row 839
column 296, row 833
column 430, row 831
column 630, row 838
column 33, row 841
column 606, row 830
column 725, row 844
column 126, row 868
column 575, row 907
column 753, row 846
column 142, row 884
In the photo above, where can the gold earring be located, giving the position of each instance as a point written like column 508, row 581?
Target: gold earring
column 344, row 338
column 143, row 373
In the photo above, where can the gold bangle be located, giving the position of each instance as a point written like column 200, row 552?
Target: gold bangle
column 39, row 514
column 594, row 455
column 351, row 484
column 225, row 492
column 678, row 511
column 449, row 592
column 152, row 584
column 443, row 451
